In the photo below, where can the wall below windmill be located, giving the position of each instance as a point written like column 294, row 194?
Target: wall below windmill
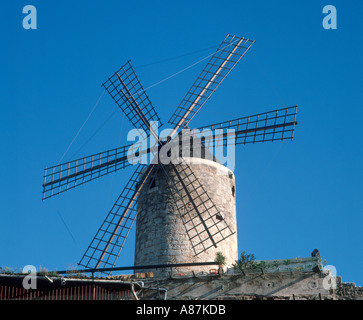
column 284, row 285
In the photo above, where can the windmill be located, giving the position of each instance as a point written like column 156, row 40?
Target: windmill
column 206, row 225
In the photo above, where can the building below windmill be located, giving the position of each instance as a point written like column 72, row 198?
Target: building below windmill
column 288, row 279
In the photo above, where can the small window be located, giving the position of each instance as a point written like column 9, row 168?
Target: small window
column 233, row 191
column 152, row 183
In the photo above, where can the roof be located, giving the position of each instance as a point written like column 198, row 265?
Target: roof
column 13, row 287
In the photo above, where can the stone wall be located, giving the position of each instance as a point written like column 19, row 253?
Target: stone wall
column 297, row 285
column 163, row 237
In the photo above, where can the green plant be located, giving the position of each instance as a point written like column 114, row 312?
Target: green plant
column 264, row 265
column 220, row 258
column 42, row 271
column 321, row 262
column 287, row 262
column 245, row 262
column 299, row 268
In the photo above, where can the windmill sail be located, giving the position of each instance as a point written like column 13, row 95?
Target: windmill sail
column 268, row 126
column 126, row 90
column 219, row 66
column 65, row 176
column 203, row 222
column 110, row 238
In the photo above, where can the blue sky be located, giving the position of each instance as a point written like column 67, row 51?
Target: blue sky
column 292, row 197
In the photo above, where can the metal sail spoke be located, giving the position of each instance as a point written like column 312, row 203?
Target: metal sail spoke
column 126, row 90
column 269, row 126
column 219, row 66
column 65, row 176
column 110, row 238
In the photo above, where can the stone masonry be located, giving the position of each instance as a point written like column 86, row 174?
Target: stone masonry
column 164, row 237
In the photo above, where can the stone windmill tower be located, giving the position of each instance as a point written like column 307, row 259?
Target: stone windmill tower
column 168, row 227
column 184, row 200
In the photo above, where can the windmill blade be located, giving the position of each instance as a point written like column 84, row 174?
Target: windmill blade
column 110, row 238
column 203, row 222
column 219, row 66
column 268, row 126
column 126, row 90
column 65, row 176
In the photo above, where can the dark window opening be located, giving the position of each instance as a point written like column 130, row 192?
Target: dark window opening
column 152, row 183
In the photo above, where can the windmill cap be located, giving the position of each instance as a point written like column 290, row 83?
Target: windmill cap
column 191, row 145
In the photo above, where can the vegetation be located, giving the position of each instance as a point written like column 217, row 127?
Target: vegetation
column 220, row 259
column 7, row 270
column 287, row 262
column 247, row 262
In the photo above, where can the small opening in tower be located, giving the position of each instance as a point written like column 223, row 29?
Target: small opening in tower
column 219, row 217
column 152, row 183
column 233, row 191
